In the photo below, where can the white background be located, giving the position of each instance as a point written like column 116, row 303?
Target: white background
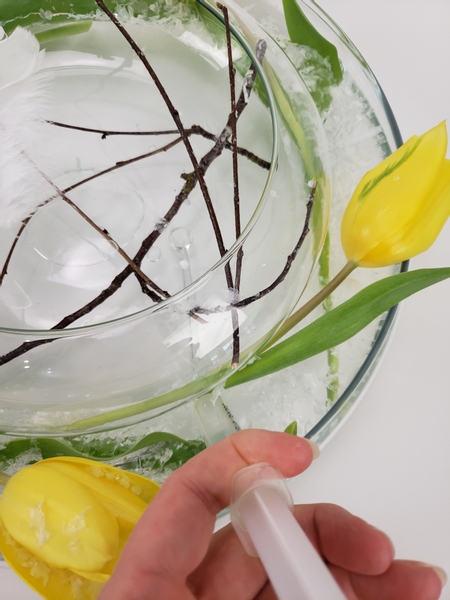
column 390, row 463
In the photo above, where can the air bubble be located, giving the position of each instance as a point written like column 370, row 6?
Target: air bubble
column 154, row 254
column 180, row 238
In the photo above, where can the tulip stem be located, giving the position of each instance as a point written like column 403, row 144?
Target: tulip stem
column 332, row 356
column 307, row 308
column 4, row 478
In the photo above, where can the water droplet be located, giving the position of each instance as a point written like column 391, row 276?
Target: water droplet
column 154, row 254
column 180, row 238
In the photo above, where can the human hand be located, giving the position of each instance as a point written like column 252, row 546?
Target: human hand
column 173, row 554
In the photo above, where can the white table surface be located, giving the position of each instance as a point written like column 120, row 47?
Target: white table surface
column 390, row 463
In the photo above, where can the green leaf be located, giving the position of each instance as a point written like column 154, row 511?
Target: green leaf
column 168, row 456
column 14, row 13
column 47, row 446
column 48, row 35
column 327, row 69
column 164, row 450
column 24, row 13
column 327, row 304
column 301, row 31
column 340, row 324
column 291, row 428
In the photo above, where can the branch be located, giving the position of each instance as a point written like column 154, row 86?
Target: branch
column 281, row 277
column 194, row 130
column 14, row 244
column 190, row 183
column 105, row 234
column 290, row 259
column 236, row 199
column 107, row 133
column 264, row 164
column 176, row 117
column 118, row 165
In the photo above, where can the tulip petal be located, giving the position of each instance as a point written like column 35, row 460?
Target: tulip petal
column 97, row 577
column 58, row 519
column 125, row 494
column 421, row 232
column 434, row 219
column 64, row 507
column 391, row 198
column 125, row 529
column 51, row 583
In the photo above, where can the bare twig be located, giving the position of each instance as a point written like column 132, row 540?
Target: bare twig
column 15, row 242
column 281, row 277
column 119, row 279
column 118, row 165
column 260, row 162
column 107, row 236
column 108, row 133
column 236, row 199
column 124, row 163
column 194, row 130
column 176, row 117
column 290, row 259
column 223, row 137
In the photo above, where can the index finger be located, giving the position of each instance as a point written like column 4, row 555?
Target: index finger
column 173, row 535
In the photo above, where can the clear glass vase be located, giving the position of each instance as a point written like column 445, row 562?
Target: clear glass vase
column 134, row 278
column 148, row 267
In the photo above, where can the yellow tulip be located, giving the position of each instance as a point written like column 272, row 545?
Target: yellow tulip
column 400, row 206
column 396, row 212
column 64, row 522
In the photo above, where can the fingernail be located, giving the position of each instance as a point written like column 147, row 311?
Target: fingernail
column 439, row 572
column 315, row 449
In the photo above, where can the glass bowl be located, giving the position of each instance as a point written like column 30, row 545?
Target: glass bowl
column 134, row 275
column 123, row 305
